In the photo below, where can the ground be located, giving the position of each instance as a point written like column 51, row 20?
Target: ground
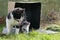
column 34, row 35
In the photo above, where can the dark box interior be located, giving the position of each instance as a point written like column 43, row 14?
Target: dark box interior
column 33, row 11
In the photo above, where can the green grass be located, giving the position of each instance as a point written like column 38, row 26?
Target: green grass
column 31, row 36
column 1, row 27
column 53, row 27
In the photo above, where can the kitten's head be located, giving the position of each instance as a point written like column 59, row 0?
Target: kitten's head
column 18, row 13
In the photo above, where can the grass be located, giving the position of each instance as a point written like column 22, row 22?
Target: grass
column 34, row 35
column 53, row 27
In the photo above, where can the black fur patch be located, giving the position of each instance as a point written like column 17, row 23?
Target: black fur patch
column 8, row 16
column 17, row 14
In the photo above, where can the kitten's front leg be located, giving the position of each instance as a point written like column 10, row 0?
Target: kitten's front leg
column 27, row 27
column 8, row 26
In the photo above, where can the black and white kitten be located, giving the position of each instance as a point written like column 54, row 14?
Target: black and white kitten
column 13, row 18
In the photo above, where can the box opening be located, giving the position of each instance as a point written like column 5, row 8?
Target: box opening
column 33, row 11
